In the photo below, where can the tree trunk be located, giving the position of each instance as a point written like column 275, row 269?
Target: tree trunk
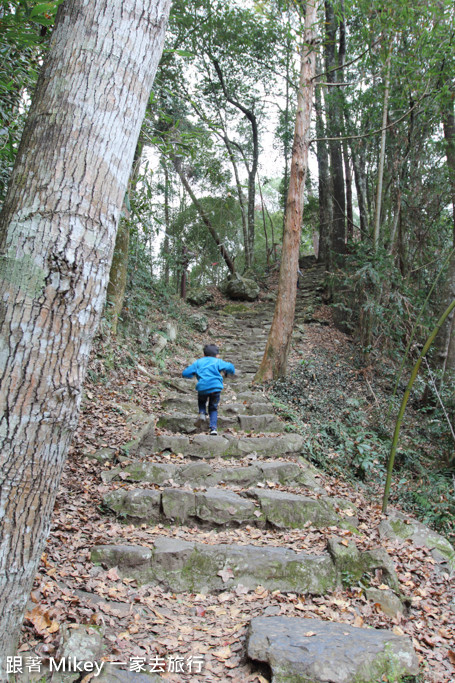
column 377, row 213
column 119, row 268
column 445, row 354
column 325, row 193
column 274, row 362
column 57, row 237
column 118, row 275
column 167, row 224
column 335, row 128
column 227, row 259
column 252, row 167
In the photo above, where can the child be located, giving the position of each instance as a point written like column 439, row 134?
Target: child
column 210, row 384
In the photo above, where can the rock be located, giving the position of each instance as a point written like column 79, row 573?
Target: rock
column 137, row 505
column 289, row 511
column 178, row 422
column 112, row 674
column 241, row 288
column 134, row 414
column 260, row 423
column 206, row 446
column 387, row 600
column 178, row 505
column 159, row 343
column 196, row 474
column 155, row 473
column 224, row 507
column 126, row 556
column 199, row 297
column 196, row 567
column 398, row 526
column 273, row 445
column 199, row 322
column 310, row 650
column 82, row 644
column 184, row 423
column 352, row 565
column 171, row 331
column 102, row 455
column 241, row 476
column 259, row 409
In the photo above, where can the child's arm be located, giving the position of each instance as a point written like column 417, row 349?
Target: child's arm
column 190, row 371
column 228, row 368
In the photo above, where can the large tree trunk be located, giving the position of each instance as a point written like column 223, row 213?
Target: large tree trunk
column 57, row 232
column 275, row 358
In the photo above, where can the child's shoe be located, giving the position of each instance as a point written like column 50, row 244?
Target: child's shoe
column 213, row 432
column 201, row 421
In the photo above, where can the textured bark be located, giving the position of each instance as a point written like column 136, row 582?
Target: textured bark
column 167, row 223
column 274, row 362
column 57, row 237
column 335, row 128
column 118, row 275
column 445, row 341
column 119, row 268
column 385, row 106
column 206, row 220
column 252, row 167
column 325, row 194
column 360, row 180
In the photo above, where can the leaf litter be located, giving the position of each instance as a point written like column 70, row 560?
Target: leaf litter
column 144, row 621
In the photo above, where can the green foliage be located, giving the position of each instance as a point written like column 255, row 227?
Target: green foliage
column 24, row 32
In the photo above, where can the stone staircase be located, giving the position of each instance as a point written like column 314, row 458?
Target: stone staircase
column 250, row 476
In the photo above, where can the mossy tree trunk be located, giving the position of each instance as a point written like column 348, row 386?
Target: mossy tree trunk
column 57, row 230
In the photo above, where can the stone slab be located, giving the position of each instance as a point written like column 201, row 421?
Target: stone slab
column 182, row 566
column 400, row 527
column 260, row 423
column 314, row 651
column 289, row 511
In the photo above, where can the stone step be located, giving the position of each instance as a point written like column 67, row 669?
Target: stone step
column 321, row 651
column 201, row 473
column 185, row 424
column 227, row 446
column 179, row 566
column 217, row 506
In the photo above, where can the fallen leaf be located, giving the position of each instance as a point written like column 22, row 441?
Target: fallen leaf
column 226, row 574
column 222, row 653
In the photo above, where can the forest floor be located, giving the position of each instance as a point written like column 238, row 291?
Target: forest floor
column 326, row 380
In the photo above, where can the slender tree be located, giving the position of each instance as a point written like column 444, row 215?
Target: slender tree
column 57, row 232
column 274, row 362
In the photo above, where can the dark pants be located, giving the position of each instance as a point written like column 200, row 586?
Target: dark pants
column 213, row 399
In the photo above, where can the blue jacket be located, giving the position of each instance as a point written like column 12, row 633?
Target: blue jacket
column 208, row 370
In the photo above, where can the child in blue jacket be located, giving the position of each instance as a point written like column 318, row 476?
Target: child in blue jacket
column 210, row 384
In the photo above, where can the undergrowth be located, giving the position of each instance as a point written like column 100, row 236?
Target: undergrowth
column 345, row 422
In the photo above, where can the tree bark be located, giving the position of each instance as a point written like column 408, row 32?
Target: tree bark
column 274, row 362
column 116, row 287
column 57, row 237
column 252, row 167
column 445, row 341
column 223, row 251
column 335, row 127
column 377, row 213
column 325, row 193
